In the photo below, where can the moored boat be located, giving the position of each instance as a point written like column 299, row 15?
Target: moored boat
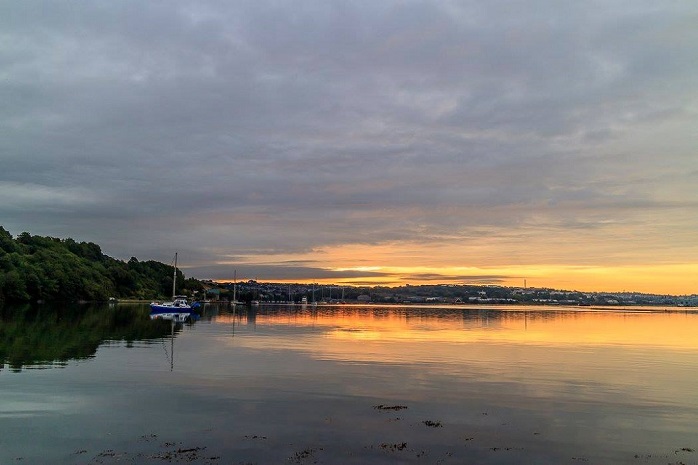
column 178, row 310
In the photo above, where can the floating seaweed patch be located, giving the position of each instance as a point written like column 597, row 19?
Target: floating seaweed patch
column 394, row 447
column 433, row 424
column 308, row 453
column 389, row 407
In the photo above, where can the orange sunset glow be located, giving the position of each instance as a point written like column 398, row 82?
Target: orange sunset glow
column 400, row 264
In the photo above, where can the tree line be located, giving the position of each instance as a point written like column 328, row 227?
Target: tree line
column 34, row 268
column 32, row 335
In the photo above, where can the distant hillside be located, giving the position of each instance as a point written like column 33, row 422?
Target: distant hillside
column 48, row 268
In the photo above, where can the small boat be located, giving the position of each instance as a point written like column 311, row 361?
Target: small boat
column 178, row 310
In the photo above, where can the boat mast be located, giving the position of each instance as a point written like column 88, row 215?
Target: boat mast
column 235, row 286
column 174, row 278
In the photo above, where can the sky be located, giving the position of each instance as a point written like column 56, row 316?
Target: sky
column 361, row 142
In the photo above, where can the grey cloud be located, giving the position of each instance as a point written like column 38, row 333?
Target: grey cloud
column 283, row 272
column 230, row 127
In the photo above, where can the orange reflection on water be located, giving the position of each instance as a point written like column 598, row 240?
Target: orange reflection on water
column 546, row 327
column 651, row 355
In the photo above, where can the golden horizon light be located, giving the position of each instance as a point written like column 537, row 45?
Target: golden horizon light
column 401, row 264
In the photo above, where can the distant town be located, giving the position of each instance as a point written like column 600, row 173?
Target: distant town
column 267, row 292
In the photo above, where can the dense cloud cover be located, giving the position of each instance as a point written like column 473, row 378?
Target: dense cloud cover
column 511, row 133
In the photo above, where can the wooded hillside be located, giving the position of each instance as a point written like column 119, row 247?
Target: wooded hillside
column 48, row 268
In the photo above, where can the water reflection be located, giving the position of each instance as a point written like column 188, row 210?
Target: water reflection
column 48, row 336
column 534, row 326
column 294, row 385
column 553, row 353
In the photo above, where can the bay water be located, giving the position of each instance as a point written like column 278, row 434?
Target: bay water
column 346, row 384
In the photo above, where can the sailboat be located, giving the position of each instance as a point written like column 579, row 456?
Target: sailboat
column 178, row 310
column 235, row 288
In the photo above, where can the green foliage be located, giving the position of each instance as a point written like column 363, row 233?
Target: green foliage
column 49, row 336
column 48, row 268
column 6, row 243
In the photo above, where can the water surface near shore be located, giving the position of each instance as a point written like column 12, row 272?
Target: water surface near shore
column 352, row 384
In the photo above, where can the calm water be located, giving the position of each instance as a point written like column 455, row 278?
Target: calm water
column 349, row 385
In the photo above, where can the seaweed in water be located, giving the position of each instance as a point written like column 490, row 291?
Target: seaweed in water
column 394, row 447
column 389, row 407
column 433, row 424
